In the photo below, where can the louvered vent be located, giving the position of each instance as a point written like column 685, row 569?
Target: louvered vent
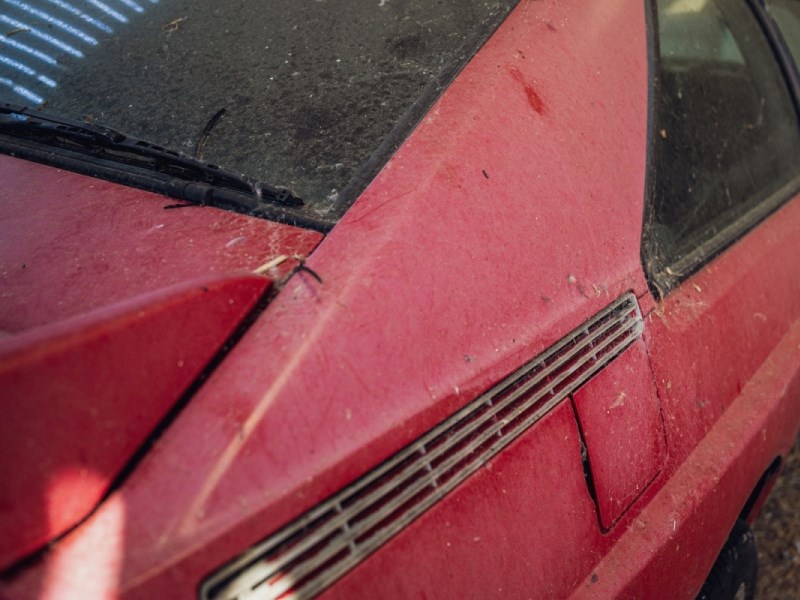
column 309, row 554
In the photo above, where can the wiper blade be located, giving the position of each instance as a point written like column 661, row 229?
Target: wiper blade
column 185, row 177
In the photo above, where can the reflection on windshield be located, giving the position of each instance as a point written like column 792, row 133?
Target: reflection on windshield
column 315, row 94
column 48, row 33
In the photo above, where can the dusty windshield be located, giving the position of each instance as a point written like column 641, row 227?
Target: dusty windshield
column 307, row 94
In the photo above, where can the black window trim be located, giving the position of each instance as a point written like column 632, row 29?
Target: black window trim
column 663, row 279
column 779, row 47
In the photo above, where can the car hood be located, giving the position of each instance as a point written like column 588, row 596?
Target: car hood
column 111, row 307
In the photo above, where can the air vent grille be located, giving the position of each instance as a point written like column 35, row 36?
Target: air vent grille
column 309, row 554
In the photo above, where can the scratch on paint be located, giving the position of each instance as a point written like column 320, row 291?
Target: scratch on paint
column 378, row 207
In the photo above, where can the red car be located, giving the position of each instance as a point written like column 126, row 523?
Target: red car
column 506, row 305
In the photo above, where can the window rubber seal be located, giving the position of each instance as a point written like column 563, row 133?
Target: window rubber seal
column 781, row 49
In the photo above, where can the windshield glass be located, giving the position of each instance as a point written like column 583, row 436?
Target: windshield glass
column 312, row 95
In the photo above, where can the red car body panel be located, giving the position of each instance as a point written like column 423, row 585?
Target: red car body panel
column 110, row 308
column 620, row 419
column 71, row 244
column 684, row 524
column 511, row 215
column 88, row 392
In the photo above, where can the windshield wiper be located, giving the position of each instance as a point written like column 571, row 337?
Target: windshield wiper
column 179, row 176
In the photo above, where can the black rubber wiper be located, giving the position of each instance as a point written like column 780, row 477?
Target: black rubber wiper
column 176, row 174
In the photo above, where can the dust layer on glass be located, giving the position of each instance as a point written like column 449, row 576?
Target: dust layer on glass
column 295, row 93
column 726, row 138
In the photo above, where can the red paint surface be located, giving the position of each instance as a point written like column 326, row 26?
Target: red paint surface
column 684, row 525
column 620, row 419
column 740, row 307
column 464, row 529
column 533, row 98
column 102, row 294
column 71, row 243
column 80, row 396
column 726, row 360
column 439, row 282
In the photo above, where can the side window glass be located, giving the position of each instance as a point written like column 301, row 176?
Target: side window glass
column 786, row 14
column 726, row 134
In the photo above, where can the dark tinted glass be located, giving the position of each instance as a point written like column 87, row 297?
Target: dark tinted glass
column 726, row 130
column 310, row 88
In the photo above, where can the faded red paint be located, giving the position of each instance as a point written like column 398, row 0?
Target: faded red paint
column 534, row 100
column 111, row 375
column 438, row 283
column 434, row 290
column 71, row 244
column 620, row 419
column 110, row 306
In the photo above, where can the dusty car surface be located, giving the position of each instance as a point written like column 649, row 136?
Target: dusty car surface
column 395, row 299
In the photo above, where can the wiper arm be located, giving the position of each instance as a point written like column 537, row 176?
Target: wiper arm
column 186, row 178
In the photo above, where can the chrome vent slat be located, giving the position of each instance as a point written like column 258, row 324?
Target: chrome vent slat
column 469, row 428
column 329, row 528
column 306, row 556
column 283, row 586
column 449, row 424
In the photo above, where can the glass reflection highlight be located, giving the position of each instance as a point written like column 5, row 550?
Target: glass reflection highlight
column 41, row 34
